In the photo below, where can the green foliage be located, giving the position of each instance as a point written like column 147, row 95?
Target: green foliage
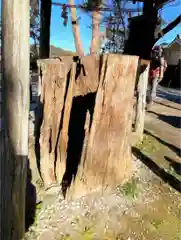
column 130, row 189
column 38, row 206
column 38, row 209
column 156, row 223
column 87, row 234
column 149, row 144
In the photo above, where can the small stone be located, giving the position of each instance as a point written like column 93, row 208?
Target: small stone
column 46, row 235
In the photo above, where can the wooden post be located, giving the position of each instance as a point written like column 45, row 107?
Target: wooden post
column 143, row 75
column 15, row 111
column 45, row 16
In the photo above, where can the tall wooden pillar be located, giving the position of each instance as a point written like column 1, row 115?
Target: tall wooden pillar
column 15, row 112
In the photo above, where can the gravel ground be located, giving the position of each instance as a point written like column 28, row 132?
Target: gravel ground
column 97, row 212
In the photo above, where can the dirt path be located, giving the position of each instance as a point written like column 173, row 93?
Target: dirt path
column 164, row 120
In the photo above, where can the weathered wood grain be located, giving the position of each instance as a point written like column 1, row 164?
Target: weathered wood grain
column 108, row 158
column 104, row 124
column 52, row 98
column 62, row 147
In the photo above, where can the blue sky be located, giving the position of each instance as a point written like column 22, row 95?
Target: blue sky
column 62, row 36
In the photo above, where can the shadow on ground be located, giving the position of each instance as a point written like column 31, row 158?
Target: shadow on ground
column 175, row 165
column 172, row 97
column 172, row 147
column 30, row 209
column 160, row 172
column 167, row 105
column 174, row 121
column 37, row 128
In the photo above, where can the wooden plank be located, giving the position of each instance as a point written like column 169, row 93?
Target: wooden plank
column 60, row 168
column 108, row 159
column 52, row 98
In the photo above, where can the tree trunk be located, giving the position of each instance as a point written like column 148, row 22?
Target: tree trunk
column 141, row 32
column 96, row 35
column 45, row 21
column 141, row 37
column 15, row 111
column 143, row 75
column 76, row 30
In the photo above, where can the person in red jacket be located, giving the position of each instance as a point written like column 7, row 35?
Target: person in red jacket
column 157, row 68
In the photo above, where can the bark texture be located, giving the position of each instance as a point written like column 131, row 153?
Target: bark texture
column 15, row 112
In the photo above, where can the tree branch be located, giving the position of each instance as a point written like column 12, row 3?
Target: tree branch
column 168, row 28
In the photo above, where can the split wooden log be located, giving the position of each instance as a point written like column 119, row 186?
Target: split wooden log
column 56, row 95
column 54, row 82
column 93, row 141
column 61, row 161
column 108, row 160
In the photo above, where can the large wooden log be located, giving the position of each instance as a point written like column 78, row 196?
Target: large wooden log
column 108, row 159
column 56, row 109
column 96, row 139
